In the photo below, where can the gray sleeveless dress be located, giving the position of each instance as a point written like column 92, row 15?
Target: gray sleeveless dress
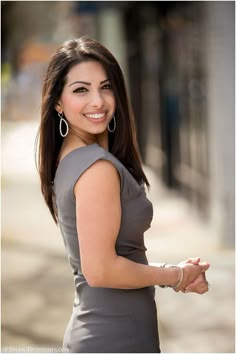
column 107, row 320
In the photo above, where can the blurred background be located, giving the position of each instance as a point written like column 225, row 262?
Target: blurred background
column 178, row 59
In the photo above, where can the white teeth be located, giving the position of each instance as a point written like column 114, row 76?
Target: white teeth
column 95, row 116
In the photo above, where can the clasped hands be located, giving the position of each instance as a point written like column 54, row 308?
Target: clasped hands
column 194, row 279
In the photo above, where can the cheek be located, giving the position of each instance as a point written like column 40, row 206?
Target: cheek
column 112, row 101
column 71, row 104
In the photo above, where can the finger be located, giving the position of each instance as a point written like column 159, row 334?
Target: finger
column 195, row 260
column 201, row 289
column 195, row 287
column 199, row 282
column 204, row 266
column 195, row 284
column 200, row 279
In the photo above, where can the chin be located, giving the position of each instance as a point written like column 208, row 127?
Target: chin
column 98, row 130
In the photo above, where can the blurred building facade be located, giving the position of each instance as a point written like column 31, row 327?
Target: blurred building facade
column 178, row 58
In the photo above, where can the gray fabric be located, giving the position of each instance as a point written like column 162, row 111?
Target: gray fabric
column 103, row 319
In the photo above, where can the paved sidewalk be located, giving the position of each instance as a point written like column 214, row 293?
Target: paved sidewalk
column 37, row 284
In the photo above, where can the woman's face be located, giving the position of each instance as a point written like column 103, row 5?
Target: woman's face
column 87, row 99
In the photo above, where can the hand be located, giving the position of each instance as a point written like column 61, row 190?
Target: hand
column 200, row 284
column 193, row 270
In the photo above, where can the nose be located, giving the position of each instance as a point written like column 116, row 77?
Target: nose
column 97, row 99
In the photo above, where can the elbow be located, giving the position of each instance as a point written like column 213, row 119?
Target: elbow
column 94, row 282
column 95, row 278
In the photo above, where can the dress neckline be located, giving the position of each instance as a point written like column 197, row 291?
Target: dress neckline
column 76, row 149
column 108, row 152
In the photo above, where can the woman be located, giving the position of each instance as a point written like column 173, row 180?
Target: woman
column 93, row 183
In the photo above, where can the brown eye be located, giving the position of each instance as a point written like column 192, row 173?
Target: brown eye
column 107, row 87
column 80, row 89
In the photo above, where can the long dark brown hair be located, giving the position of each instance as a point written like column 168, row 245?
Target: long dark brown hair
column 122, row 143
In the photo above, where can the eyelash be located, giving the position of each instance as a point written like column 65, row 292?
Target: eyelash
column 107, row 87
column 84, row 89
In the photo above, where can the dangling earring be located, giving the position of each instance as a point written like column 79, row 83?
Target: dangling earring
column 114, row 126
column 60, row 125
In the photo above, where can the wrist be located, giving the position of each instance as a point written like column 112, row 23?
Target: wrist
column 180, row 277
column 175, row 277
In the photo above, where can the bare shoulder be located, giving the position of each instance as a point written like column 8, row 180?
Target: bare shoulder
column 101, row 176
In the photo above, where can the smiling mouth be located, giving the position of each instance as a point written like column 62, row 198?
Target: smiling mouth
column 95, row 115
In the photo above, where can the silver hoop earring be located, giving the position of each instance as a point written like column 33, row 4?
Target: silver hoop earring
column 114, row 126
column 62, row 119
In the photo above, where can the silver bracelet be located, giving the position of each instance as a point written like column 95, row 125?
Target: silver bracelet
column 180, row 279
column 166, row 265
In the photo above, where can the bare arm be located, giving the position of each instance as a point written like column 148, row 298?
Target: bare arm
column 98, row 213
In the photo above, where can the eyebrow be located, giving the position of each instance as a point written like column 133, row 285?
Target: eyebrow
column 87, row 83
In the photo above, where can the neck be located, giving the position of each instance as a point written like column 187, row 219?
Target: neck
column 88, row 139
column 102, row 140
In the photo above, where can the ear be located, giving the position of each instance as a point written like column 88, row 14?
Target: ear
column 58, row 107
